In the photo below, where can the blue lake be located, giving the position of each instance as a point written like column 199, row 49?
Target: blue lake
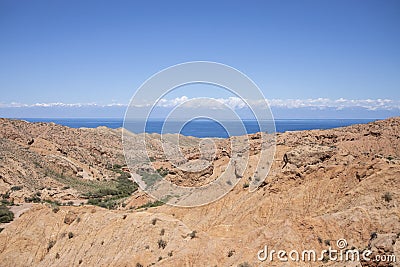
column 203, row 128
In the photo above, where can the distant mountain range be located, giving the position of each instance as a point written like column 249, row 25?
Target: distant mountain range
column 118, row 111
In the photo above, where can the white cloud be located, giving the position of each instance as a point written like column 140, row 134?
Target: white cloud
column 172, row 102
column 341, row 103
column 237, row 103
column 57, row 104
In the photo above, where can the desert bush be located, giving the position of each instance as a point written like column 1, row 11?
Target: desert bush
column 7, row 202
column 56, row 209
column 34, row 199
column 93, row 188
column 70, row 235
column 5, row 214
column 163, row 172
column 373, row 235
column 52, row 202
column 325, row 259
column 50, row 244
column 387, row 197
column 193, row 234
column 152, row 204
column 162, row 243
column 5, row 195
column 16, row 188
column 117, row 166
column 113, row 196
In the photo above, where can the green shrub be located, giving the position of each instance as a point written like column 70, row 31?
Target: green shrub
column 34, row 199
column 6, row 195
column 387, row 197
column 193, row 234
column 7, row 202
column 56, row 209
column 5, row 214
column 325, row 259
column 111, row 197
column 50, row 244
column 163, row 172
column 162, row 243
column 52, row 202
column 107, row 194
column 16, row 188
column 373, row 235
column 117, row 166
column 107, row 202
column 152, row 204
column 149, row 178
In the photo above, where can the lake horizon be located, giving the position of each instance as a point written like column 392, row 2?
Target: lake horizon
column 202, row 128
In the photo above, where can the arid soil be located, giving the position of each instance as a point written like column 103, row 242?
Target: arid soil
column 324, row 185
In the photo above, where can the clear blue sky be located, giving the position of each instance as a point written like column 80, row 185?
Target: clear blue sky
column 101, row 51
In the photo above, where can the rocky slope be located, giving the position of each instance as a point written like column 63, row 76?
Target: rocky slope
column 324, row 185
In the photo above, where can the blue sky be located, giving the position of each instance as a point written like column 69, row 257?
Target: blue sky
column 95, row 51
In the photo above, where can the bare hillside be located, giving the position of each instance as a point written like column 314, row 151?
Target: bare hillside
column 324, row 185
